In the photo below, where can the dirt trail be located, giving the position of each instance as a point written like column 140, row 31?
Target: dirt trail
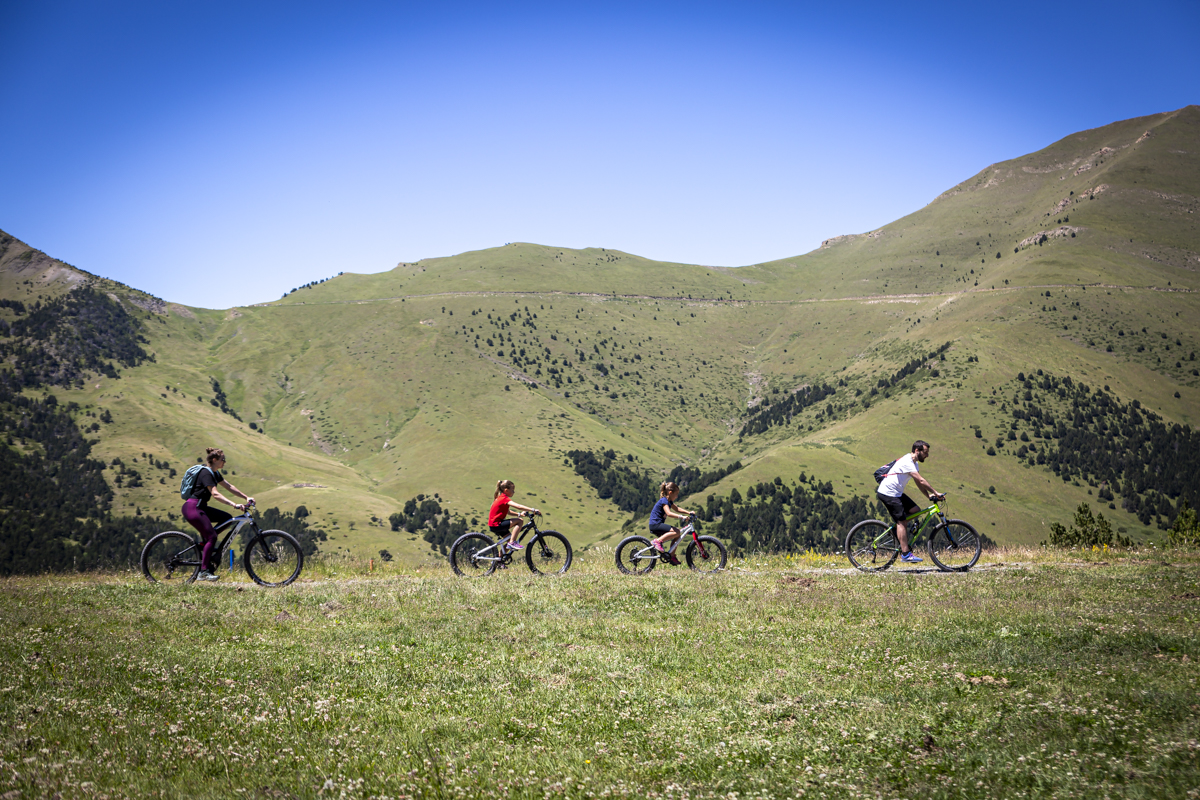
column 744, row 302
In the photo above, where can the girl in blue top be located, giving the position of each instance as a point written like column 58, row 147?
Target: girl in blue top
column 665, row 507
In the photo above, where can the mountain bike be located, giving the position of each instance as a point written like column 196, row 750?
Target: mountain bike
column 706, row 554
column 954, row 545
column 474, row 555
column 272, row 558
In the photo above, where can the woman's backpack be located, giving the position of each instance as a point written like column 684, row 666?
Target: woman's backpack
column 189, row 480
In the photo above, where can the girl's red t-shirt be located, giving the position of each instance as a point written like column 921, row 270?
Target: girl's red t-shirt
column 499, row 510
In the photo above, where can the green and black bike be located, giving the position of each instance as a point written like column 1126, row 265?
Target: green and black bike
column 954, row 545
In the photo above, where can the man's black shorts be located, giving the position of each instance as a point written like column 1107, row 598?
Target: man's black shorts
column 899, row 507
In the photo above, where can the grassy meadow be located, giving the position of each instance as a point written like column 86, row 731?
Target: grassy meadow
column 1038, row 674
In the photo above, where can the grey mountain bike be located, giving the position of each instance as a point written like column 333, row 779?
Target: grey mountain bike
column 272, row 558
column 705, row 554
column 475, row 555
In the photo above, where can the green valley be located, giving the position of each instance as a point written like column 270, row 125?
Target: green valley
column 1071, row 267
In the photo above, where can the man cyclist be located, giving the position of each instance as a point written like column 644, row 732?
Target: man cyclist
column 899, row 505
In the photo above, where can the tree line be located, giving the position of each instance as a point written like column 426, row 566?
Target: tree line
column 294, row 522
column 769, row 413
column 56, row 504
column 438, row 526
column 777, row 517
column 56, row 342
column 1123, row 450
column 629, row 488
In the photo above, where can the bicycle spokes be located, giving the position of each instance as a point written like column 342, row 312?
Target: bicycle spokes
column 871, row 545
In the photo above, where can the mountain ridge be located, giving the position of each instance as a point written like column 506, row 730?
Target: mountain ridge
column 455, row 371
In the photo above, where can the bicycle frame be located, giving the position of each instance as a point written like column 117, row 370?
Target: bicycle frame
column 928, row 517
column 492, row 551
column 688, row 528
column 235, row 525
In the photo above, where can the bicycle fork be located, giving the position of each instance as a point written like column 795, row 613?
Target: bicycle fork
column 547, row 553
column 949, row 534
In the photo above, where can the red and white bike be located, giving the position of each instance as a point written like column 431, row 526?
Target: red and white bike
column 706, row 554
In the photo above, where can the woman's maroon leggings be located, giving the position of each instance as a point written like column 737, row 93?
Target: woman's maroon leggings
column 202, row 519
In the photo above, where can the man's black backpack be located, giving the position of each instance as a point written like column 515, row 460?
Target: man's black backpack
column 882, row 472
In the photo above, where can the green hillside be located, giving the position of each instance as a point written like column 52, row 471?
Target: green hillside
column 358, row 393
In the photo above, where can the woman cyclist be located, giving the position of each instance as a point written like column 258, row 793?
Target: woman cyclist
column 502, row 507
column 665, row 507
column 205, row 519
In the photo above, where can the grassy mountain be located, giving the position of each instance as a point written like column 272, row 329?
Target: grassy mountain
column 355, row 394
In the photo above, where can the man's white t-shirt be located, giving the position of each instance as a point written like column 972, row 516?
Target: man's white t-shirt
column 897, row 478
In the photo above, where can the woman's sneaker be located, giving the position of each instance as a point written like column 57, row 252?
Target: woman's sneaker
column 205, row 575
column 658, row 546
column 517, row 546
column 911, row 558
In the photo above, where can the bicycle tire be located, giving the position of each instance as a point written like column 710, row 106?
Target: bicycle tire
column 273, row 558
column 548, row 553
column 463, row 552
column 171, row 557
column 709, row 562
column 866, row 549
column 955, row 546
column 627, row 559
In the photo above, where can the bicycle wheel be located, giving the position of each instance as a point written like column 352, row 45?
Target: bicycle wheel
column 629, row 558
column 171, row 557
column 274, row 558
column 709, row 560
column 871, row 545
column 549, row 553
column 466, row 558
column 955, row 546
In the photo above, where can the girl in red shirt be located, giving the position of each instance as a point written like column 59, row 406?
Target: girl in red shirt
column 502, row 506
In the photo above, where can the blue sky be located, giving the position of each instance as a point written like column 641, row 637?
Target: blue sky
column 219, row 154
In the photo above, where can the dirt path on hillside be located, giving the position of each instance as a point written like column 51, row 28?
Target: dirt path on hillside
column 717, row 301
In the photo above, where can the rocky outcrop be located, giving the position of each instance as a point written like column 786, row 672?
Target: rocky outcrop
column 1041, row 237
column 850, row 237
